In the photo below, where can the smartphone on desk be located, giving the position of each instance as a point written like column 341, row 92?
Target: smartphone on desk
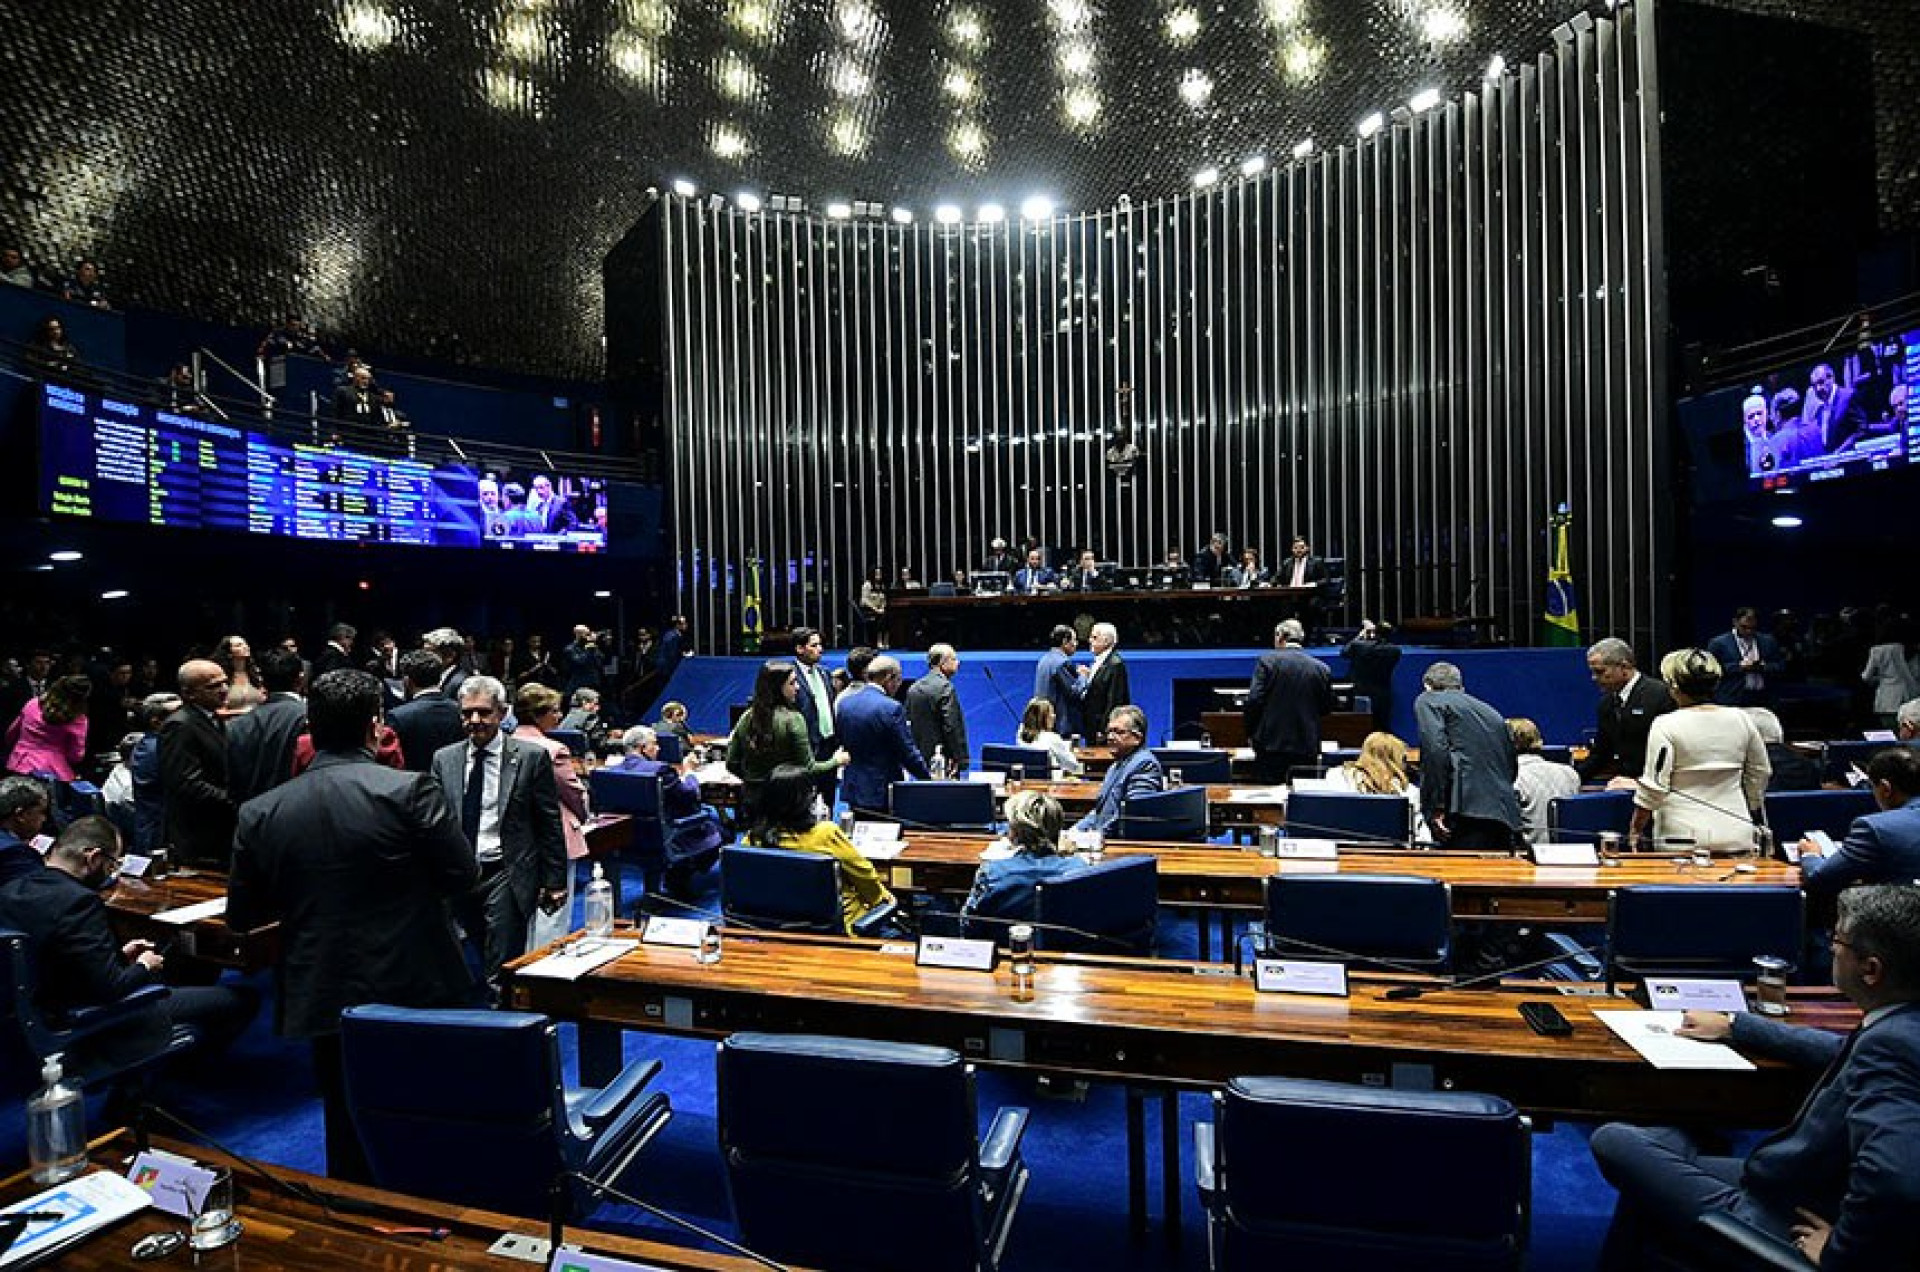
column 1545, row 1019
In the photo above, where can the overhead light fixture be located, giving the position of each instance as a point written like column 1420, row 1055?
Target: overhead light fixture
column 990, row 214
column 902, row 216
column 1372, row 124
column 1253, row 166
column 840, row 211
column 64, row 555
column 1424, row 100
column 747, row 201
column 1205, row 177
column 1037, row 208
column 1304, row 149
column 1787, row 521
column 947, row 214
column 114, row 594
column 1497, row 67
column 685, row 188
column 602, row 595
column 786, row 203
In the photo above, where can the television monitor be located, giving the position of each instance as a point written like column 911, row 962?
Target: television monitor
column 1846, row 412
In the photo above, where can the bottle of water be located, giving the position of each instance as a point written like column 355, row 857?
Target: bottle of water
column 599, row 903
column 56, row 1127
column 939, row 766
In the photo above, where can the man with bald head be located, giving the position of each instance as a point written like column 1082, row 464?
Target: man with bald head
column 199, row 812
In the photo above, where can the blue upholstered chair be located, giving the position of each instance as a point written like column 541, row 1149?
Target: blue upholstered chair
column 782, row 890
column 1195, row 767
column 1583, row 818
column 1392, row 921
column 1700, row 929
column 1116, row 904
column 573, row 739
column 672, row 749
column 947, row 805
column 857, row 1155
column 472, row 1107
column 1179, row 815
column 1791, row 814
column 1023, row 763
column 1304, row 1174
column 638, row 795
column 87, row 1038
column 1853, row 753
column 1350, row 817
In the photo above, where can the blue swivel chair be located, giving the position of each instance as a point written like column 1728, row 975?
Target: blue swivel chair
column 1024, row 763
column 102, row 1045
column 573, row 739
column 471, row 1107
column 639, row 796
column 1393, row 921
column 1111, row 908
column 1791, row 814
column 947, row 805
column 1456, row 1166
column 1842, row 756
column 782, row 890
column 1583, row 818
column 1350, row 817
column 672, row 749
column 1179, row 815
column 865, row 1156
column 1195, row 767
column 1700, row 929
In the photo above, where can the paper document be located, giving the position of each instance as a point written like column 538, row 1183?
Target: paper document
column 85, row 1205
column 878, row 841
column 1257, row 795
column 572, row 961
column 1651, row 1034
column 193, row 913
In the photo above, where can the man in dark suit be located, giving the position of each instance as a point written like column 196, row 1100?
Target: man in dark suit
column 1842, row 1181
column 337, row 652
column 356, row 862
column 1000, row 558
column 193, row 770
column 1060, row 681
column 1467, row 765
column 1831, row 413
column 503, row 792
column 1291, row 690
column 428, row 720
column 1135, row 770
column 815, row 689
column 1301, row 568
column 1106, row 688
column 1629, row 704
column 1211, row 563
column 1371, row 658
column 933, row 711
column 1749, row 659
column 1882, row 847
column 1085, row 575
column 1034, row 576
column 260, row 743
column 874, row 733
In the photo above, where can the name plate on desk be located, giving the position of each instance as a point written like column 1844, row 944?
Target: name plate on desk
column 955, row 952
column 686, row 933
column 1307, row 850
column 1299, row 976
column 566, row 1260
column 1693, row 994
column 177, row 1185
column 984, row 777
column 1565, row 855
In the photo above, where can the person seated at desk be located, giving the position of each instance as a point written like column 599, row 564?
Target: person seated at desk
column 1246, row 574
column 1003, row 891
column 694, row 842
column 786, row 820
column 1537, row 781
column 673, row 719
column 1085, row 575
column 1380, row 769
column 1036, row 730
column 1135, row 771
column 1034, row 577
column 1792, row 770
column 25, row 803
column 1842, row 1182
column 1882, row 847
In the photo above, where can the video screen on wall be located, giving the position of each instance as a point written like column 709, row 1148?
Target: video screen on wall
column 113, row 460
column 1851, row 411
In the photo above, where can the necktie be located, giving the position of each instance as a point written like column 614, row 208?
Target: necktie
column 470, row 798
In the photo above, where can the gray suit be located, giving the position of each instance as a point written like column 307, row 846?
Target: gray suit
column 1467, row 767
column 532, row 846
column 933, row 714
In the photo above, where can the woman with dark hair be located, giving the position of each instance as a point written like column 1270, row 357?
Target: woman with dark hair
column 1707, row 769
column 50, row 735
column 771, row 733
column 1037, row 731
column 786, row 820
column 50, row 355
column 1003, row 890
column 235, row 657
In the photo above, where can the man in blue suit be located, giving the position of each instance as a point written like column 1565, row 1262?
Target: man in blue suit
column 1034, row 576
column 1135, row 771
column 1842, row 1181
column 1057, row 679
column 1882, row 847
column 873, row 730
column 1749, row 661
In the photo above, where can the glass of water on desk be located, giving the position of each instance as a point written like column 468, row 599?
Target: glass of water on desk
column 1770, row 986
column 215, row 1224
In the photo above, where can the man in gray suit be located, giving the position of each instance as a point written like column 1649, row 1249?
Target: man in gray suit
column 1467, row 765
column 503, row 794
column 933, row 711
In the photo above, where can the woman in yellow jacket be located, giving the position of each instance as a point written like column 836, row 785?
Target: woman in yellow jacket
column 787, row 821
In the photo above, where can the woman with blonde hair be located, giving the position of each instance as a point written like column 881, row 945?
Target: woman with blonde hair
column 1036, row 730
column 1707, row 768
column 1381, row 769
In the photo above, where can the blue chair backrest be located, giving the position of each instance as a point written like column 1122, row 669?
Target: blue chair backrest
column 1391, row 919
column 1701, row 929
column 1196, row 766
column 783, row 1103
column 1457, row 1164
column 1179, row 814
column 22, row 1039
column 1581, row 818
column 573, row 739
column 1556, row 754
column 1028, row 763
column 1350, row 817
column 780, row 888
column 672, row 749
column 1842, row 756
column 637, row 795
column 1116, row 904
column 950, row 805
column 1791, row 814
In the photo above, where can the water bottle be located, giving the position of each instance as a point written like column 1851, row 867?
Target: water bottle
column 56, row 1128
column 599, row 904
column 939, row 765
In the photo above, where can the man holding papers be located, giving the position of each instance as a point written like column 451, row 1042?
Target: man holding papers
column 1842, row 1181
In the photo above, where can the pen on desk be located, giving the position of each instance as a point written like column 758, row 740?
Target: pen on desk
column 431, row 1234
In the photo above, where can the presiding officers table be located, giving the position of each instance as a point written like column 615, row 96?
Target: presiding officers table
column 1230, row 615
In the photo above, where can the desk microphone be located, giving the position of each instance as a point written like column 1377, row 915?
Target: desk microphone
column 1402, row 993
column 599, row 1189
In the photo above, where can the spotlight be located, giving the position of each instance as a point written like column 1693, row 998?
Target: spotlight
column 1254, row 166
column 1372, row 124
column 1304, row 149
column 786, row 203
column 1207, row 176
column 990, row 214
column 602, row 595
column 715, row 203
column 1787, row 521
column 1424, row 100
column 903, row 216
column 1037, row 208
column 114, row 594
column 685, row 188
column 1497, row 67
column 64, row 555
column 747, row 201
column 869, row 209
column 840, row 211
column 947, row 214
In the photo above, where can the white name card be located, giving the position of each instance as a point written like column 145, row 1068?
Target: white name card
column 955, row 952
column 995, row 778
column 1565, row 855
column 1688, row 994
column 1299, row 976
column 873, row 832
column 1307, row 850
column 686, row 933
column 177, row 1185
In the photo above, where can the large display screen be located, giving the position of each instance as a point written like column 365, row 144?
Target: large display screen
column 1850, row 412
column 121, row 461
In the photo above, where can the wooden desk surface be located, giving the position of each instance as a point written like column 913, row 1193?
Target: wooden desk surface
column 1227, row 804
column 298, row 1236
column 1162, row 1021
column 133, row 903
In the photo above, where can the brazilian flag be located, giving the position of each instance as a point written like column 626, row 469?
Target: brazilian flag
column 750, row 622
column 1560, row 625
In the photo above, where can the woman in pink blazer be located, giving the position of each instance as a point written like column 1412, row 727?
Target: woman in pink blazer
column 51, row 733
column 536, row 708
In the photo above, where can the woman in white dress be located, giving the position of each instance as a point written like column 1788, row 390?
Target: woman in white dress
column 1707, row 768
column 1893, row 669
column 1036, row 730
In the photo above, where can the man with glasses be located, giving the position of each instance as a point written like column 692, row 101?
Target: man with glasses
column 1842, row 1181
column 1135, row 771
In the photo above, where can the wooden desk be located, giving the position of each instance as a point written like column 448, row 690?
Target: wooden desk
column 1228, row 806
column 132, row 904
column 299, row 1236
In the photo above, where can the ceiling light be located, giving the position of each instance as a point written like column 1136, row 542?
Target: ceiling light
column 747, row 201
column 840, row 211
column 1182, row 25
column 367, row 27
column 65, row 554
column 847, row 134
column 902, row 216
column 1076, row 59
column 1304, row 149
column 1196, row 86
column 728, row 143
column 1283, row 12
column 1372, row 124
column 959, row 85
column 1497, row 67
column 1083, row 105
column 990, row 214
column 1441, row 25
column 1254, row 166
column 602, row 594
column 947, row 214
column 1787, row 521
column 1037, row 208
column 736, row 78
column 1424, row 100
column 967, row 141
column 1205, row 177
column 685, row 188
column 114, row 594
column 966, row 29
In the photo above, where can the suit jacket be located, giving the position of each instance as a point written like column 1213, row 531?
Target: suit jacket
column 1892, row 676
column 1283, row 570
column 1620, row 747
column 1291, row 690
column 1852, row 1155
column 1240, row 576
column 1056, row 679
column 1138, row 774
column 356, row 862
column 873, row 729
column 424, row 725
column 1879, row 848
column 1025, row 580
column 1104, row 690
column 330, row 658
column 78, row 954
column 1208, row 568
column 193, row 782
column 804, row 703
column 532, row 844
column 260, row 746
column 1467, row 762
column 567, row 784
column 1370, row 663
column 1084, row 581
column 933, row 714
column 1733, row 689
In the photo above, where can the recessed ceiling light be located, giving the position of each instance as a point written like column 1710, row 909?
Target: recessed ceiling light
column 1205, row 177
column 902, row 216
column 1372, row 124
column 65, row 554
column 1304, row 149
column 685, row 188
column 1424, row 100
column 1037, row 208
column 840, row 211
column 747, row 201
column 1254, row 166
column 1787, row 521
column 1497, row 67
column 990, row 214
column 947, row 214
column 114, row 594
column 602, row 594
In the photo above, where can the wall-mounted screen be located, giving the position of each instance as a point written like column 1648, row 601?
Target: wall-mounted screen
column 112, row 460
column 1849, row 412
